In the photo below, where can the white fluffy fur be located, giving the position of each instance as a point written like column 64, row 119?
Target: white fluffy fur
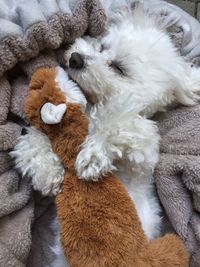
column 117, row 131
column 154, row 72
column 34, row 157
column 154, row 76
column 70, row 88
column 121, row 137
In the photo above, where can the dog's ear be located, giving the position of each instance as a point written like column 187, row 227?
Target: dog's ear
column 40, row 78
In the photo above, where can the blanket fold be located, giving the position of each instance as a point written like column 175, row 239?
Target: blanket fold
column 44, row 234
column 178, row 174
column 28, row 229
column 32, row 35
column 34, row 30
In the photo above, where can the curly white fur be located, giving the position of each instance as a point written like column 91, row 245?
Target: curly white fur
column 129, row 73
column 137, row 60
column 117, row 131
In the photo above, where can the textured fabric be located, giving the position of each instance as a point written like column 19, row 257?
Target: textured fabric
column 31, row 29
column 26, row 29
column 45, row 235
column 189, row 26
column 28, row 228
column 178, row 174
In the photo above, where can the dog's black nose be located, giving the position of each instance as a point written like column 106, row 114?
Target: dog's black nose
column 76, row 61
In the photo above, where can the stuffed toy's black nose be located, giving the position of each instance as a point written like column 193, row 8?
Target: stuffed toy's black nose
column 76, row 61
column 24, row 131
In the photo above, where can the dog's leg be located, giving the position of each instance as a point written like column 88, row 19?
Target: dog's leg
column 34, row 157
column 117, row 135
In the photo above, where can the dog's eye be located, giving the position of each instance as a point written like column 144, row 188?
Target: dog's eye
column 116, row 66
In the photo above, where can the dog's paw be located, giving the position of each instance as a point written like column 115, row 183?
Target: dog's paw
column 93, row 164
column 34, row 157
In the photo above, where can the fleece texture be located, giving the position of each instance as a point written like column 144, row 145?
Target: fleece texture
column 178, row 174
column 33, row 34
column 28, row 226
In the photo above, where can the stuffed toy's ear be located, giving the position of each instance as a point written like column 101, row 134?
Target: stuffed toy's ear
column 41, row 77
column 52, row 114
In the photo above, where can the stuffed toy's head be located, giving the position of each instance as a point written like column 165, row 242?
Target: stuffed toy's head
column 50, row 92
column 56, row 106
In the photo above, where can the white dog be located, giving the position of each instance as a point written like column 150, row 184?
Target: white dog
column 128, row 74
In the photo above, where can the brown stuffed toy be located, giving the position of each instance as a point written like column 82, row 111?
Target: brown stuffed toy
column 99, row 223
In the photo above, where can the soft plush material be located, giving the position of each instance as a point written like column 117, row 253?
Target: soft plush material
column 23, row 34
column 178, row 174
column 27, row 222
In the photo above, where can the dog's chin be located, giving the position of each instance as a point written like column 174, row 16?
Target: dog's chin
column 75, row 76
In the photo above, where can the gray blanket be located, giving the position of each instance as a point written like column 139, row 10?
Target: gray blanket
column 28, row 228
column 27, row 222
column 178, row 174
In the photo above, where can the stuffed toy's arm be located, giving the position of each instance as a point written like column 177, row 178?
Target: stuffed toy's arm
column 34, row 157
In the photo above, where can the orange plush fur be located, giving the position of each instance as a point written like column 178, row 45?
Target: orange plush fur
column 99, row 223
